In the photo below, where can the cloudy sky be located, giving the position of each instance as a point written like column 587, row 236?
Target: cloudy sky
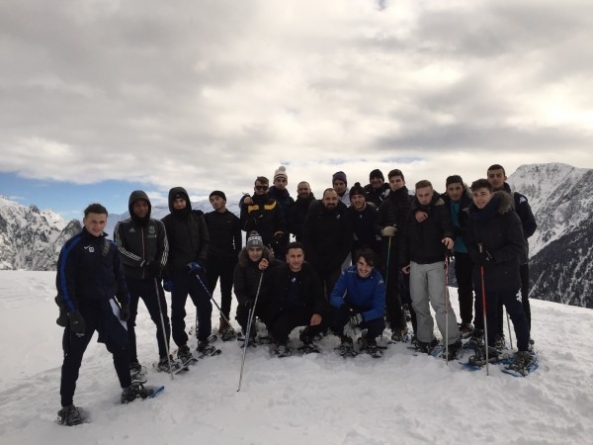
column 100, row 97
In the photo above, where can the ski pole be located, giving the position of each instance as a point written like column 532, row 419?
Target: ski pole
column 248, row 330
column 447, row 306
column 485, row 319
column 158, row 299
column 387, row 263
column 213, row 300
column 509, row 326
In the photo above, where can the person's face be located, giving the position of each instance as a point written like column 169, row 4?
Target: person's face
column 482, row 197
column 363, row 268
column 424, row 195
column 260, row 188
column 280, row 183
column 295, row 258
column 358, row 202
column 396, row 182
column 179, row 203
column 303, row 190
column 455, row 191
column 376, row 182
column 140, row 208
column 496, row 178
column 255, row 253
column 217, row 203
column 95, row 223
column 339, row 186
column 330, row 200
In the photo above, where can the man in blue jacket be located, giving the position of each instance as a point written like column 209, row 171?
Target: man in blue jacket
column 89, row 280
column 358, row 300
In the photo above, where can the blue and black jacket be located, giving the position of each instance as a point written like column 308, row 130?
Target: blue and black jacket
column 364, row 294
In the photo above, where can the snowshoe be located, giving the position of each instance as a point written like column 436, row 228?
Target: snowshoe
column 70, row 416
column 370, row 347
column 282, row 351
column 346, row 349
column 166, row 365
column 500, row 343
column 137, row 373
column 494, row 356
column 309, row 348
column 451, row 352
column 427, row 347
column 476, row 341
column 139, row 391
column 205, row 349
column 400, row 335
column 523, row 364
column 228, row 334
column 185, row 356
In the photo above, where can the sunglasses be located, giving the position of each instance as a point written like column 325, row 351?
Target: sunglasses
column 261, row 187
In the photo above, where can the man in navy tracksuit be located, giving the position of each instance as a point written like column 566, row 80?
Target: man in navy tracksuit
column 89, row 276
column 185, row 272
column 142, row 243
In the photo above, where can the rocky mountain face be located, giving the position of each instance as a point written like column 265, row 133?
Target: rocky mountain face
column 561, row 251
column 30, row 238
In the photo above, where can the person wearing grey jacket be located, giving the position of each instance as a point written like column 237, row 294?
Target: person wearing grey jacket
column 143, row 247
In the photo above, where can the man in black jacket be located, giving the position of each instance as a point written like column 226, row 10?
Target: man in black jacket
column 296, row 299
column 377, row 190
column 224, row 230
column 427, row 236
column 185, row 272
column 327, row 237
column 89, row 280
column 298, row 210
column 497, row 178
column 496, row 244
column 143, row 246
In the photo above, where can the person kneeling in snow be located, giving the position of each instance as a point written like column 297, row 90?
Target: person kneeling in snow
column 89, row 275
column 296, row 299
column 358, row 300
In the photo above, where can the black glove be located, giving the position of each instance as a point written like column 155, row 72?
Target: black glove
column 249, row 303
column 124, row 313
column 355, row 319
column 153, row 268
column 346, row 309
column 77, row 323
column 484, row 258
column 168, row 285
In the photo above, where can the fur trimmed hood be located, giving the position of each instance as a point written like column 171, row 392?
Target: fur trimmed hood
column 244, row 256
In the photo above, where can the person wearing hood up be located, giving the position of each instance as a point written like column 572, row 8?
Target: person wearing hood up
column 185, row 272
column 143, row 247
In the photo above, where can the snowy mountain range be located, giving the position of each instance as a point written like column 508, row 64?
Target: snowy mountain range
column 560, row 250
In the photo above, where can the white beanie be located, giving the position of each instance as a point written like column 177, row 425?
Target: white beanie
column 280, row 173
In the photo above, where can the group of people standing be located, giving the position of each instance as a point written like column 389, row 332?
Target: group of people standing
column 359, row 257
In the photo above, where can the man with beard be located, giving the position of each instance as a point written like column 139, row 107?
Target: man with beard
column 497, row 178
column 363, row 217
column 143, row 246
column 296, row 299
column 261, row 214
column 298, row 210
column 377, row 190
column 427, row 236
column 327, row 237
column 280, row 194
column 185, row 272
column 392, row 218
column 224, row 230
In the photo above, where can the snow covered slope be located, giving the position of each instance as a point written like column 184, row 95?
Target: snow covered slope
column 31, row 238
column 401, row 398
column 561, row 264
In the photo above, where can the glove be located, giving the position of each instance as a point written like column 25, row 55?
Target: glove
column 388, row 231
column 124, row 313
column 77, row 323
column 355, row 319
column 153, row 268
column 249, row 303
column 193, row 267
column 484, row 258
column 168, row 285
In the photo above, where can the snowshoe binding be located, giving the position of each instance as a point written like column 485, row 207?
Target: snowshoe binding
column 523, row 363
column 70, row 416
column 346, row 349
column 205, row 349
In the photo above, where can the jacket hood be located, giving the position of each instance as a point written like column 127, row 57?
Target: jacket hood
column 135, row 196
column 179, row 190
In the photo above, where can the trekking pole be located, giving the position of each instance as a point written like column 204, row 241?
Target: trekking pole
column 447, row 306
column 248, row 330
column 387, row 264
column 484, row 312
column 158, row 299
column 509, row 326
column 213, row 300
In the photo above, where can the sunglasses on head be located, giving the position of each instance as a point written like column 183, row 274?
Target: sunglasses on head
column 261, row 187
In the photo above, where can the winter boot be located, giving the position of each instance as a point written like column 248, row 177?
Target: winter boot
column 399, row 335
column 479, row 358
column 346, row 348
column 282, row 350
column 206, row 349
column 453, row 350
column 427, row 347
column 522, row 360
column 466, row 330
column 131, row 393
column 69, row 416
column 477, row 339
column 500, row 342
column 184, row 355
column 369, row 346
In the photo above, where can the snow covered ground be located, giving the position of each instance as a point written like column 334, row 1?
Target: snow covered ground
column 321, row 398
